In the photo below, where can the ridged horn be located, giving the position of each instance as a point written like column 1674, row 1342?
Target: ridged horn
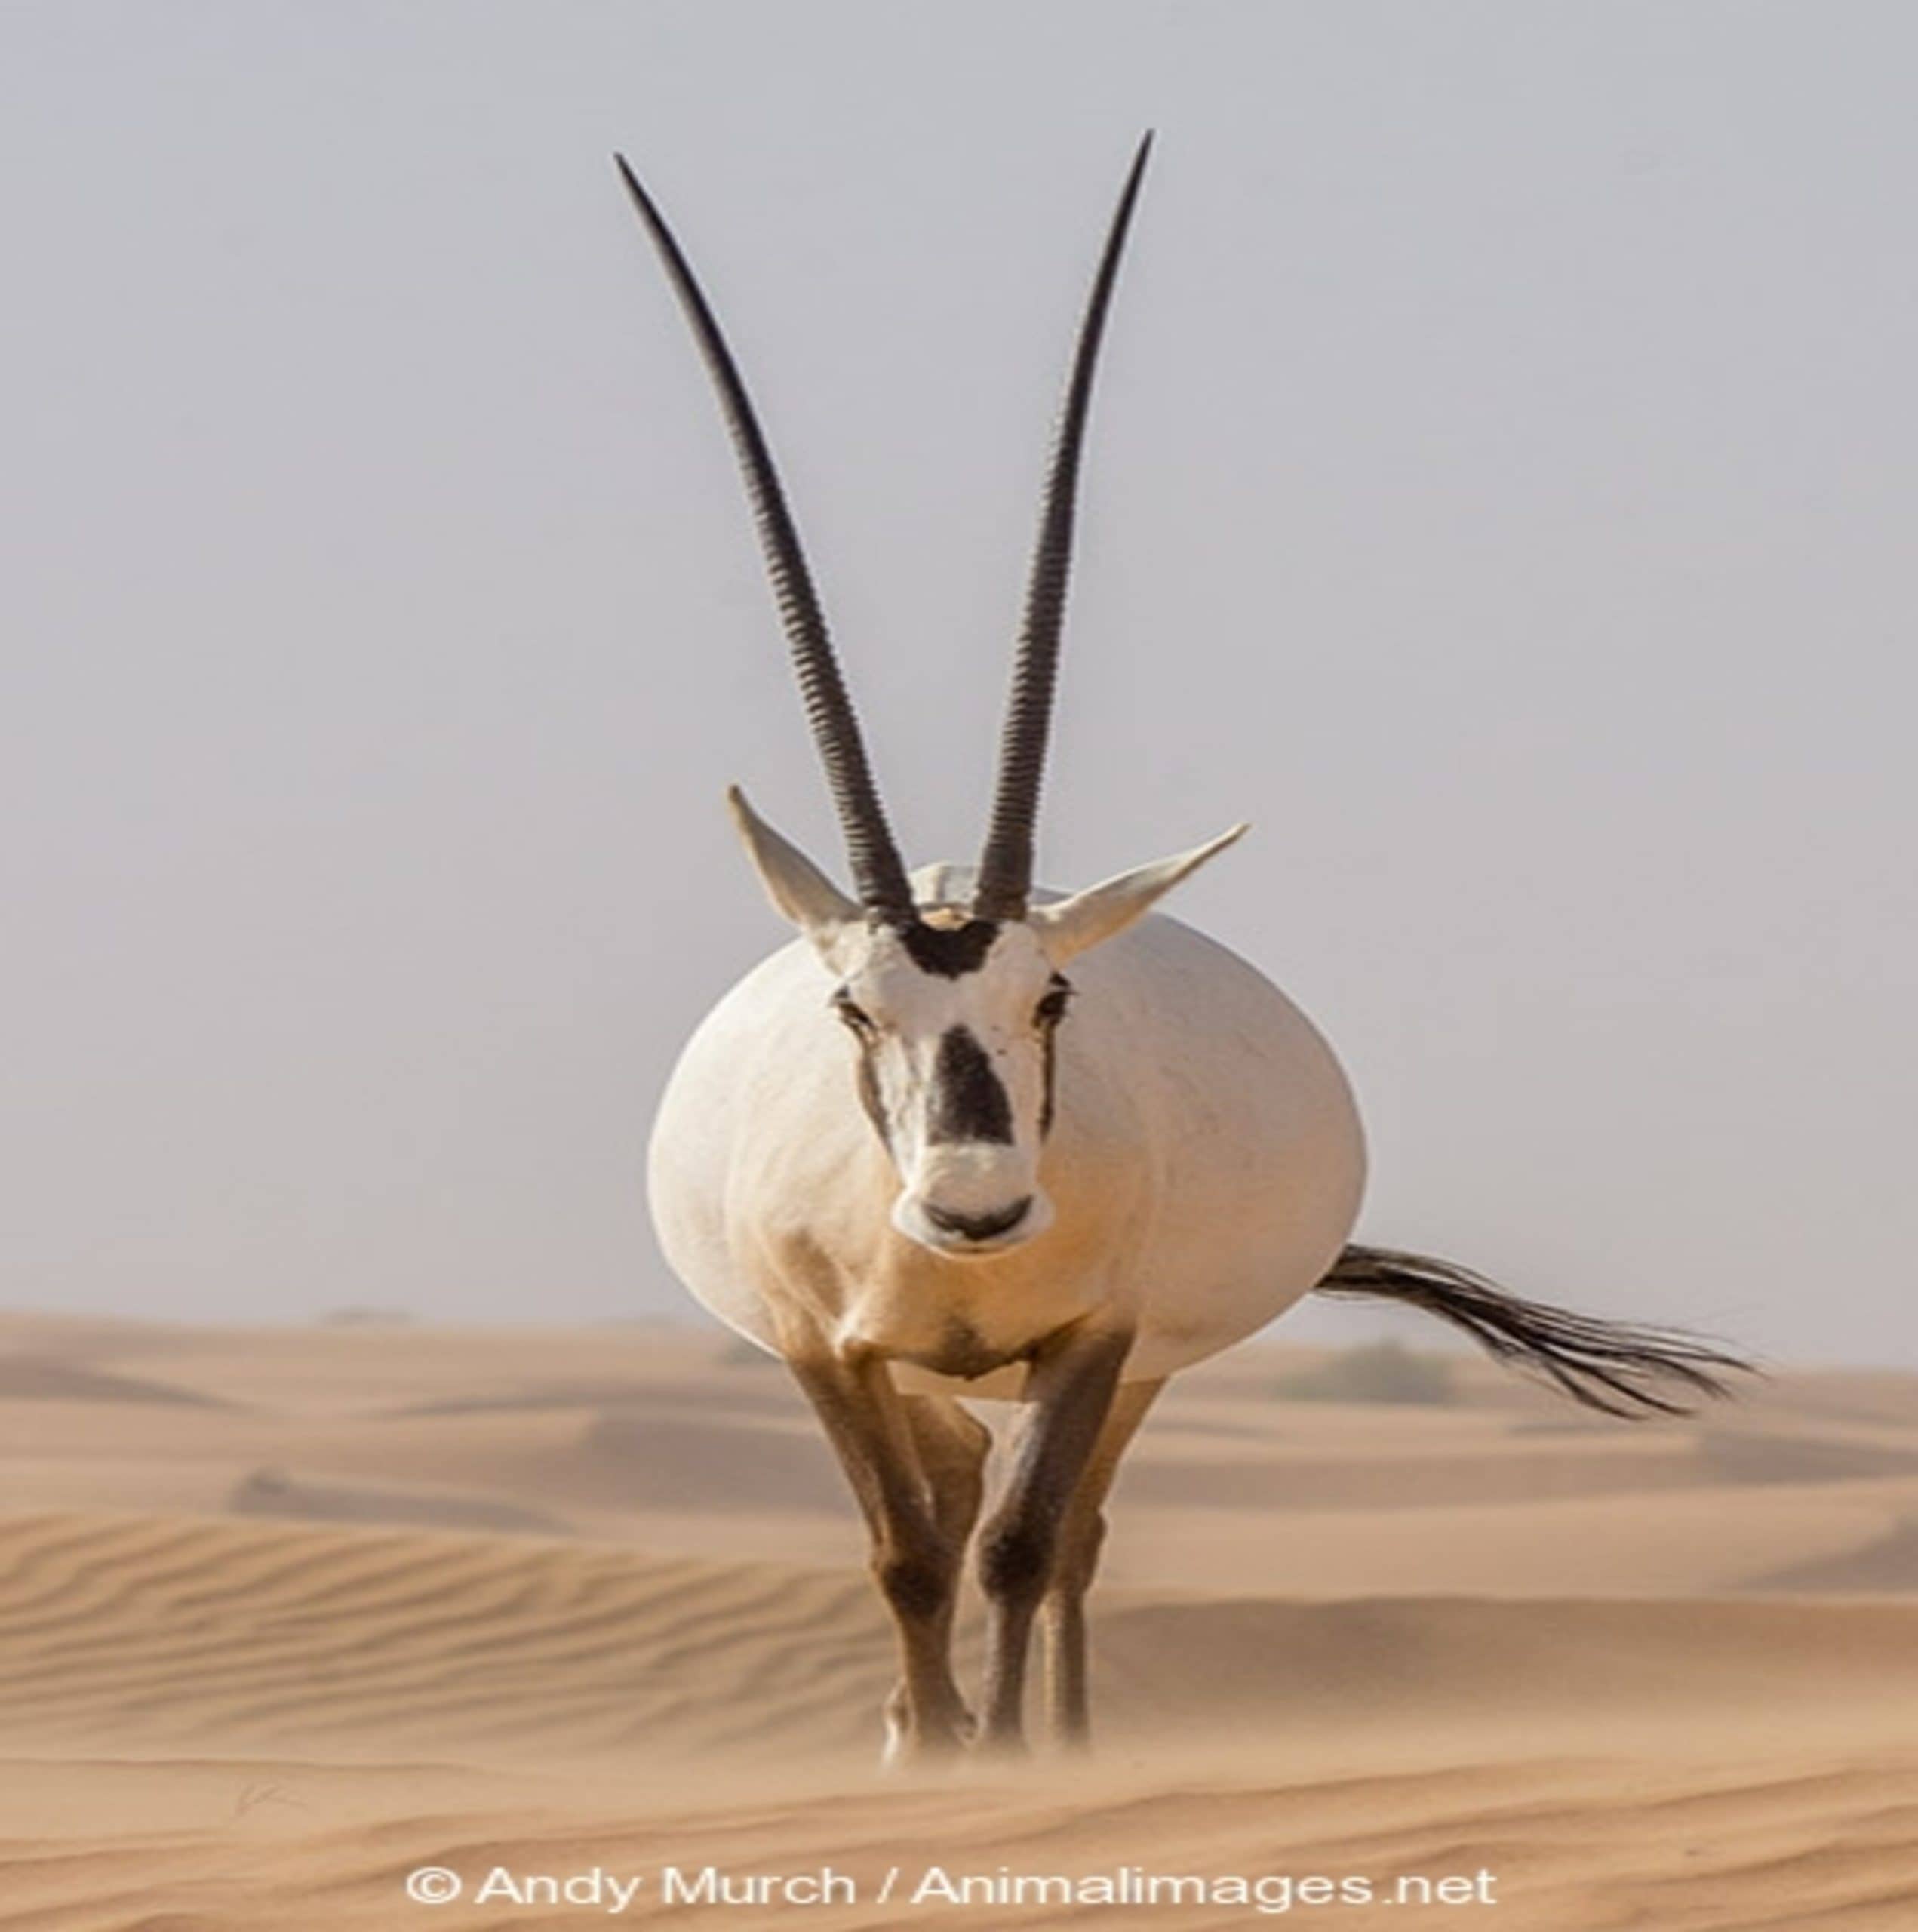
column 1005, row 874
column 879, row 877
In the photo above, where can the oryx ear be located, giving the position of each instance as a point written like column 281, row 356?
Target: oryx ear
column 794, row 884
column 1069, row 926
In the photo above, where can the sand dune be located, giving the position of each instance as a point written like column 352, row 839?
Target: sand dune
column 1362, row 1737
column 366, row 1600
column 1608, row 1465
column 160, row 1632
column 32, row 1378
column 1890, row 1563
column 274, row 1493
column 1695, row 1846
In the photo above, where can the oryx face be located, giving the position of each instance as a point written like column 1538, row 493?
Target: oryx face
column 952, row 1021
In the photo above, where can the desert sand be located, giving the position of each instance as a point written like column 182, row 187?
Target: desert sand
column 288, row 1614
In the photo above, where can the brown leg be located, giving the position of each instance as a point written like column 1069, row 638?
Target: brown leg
column 1062, row 1617
column 915, row 1560
column 1070, row 1391
column 952, row 1446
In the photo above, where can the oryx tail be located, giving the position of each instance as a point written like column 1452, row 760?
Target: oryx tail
column 1617, row 1367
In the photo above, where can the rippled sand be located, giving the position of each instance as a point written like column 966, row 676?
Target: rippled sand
column 286, row 1615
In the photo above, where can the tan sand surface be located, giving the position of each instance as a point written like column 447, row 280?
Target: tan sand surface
column 287, row 1614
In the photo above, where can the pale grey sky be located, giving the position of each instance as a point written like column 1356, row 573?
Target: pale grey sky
column 1501, row 493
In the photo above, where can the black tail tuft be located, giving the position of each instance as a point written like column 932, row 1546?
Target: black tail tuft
column 1612, row 1366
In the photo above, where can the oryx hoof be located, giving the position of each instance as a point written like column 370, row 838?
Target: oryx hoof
column 924, row 1744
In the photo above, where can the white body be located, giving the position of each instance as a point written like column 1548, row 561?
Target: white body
column 1205, row 1166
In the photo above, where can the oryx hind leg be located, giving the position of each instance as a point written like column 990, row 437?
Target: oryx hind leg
column 1062, row 1615
column 915, row 1558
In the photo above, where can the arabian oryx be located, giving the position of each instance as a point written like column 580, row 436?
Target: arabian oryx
column 964, row 1138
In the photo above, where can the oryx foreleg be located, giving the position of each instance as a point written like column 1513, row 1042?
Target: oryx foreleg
column 952, row 1446
column 915, row 1553
column 1070, row 1391
column 1063, row 1619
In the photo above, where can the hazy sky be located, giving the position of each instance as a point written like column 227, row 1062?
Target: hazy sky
column 1501, row 493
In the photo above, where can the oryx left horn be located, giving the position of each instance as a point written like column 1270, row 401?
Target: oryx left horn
column 879, row 876
column 1005, row 876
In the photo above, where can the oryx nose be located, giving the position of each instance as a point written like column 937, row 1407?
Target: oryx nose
column 978, row 1227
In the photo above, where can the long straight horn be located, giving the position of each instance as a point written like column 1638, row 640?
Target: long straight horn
column 878, row 876
column 1005, row 880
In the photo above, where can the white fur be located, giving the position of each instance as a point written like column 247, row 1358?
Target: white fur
column 1203, row 1172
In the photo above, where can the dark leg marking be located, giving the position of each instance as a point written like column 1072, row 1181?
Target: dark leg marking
column 1062, row 1615
column 1070, row 1392
column 915, row 1554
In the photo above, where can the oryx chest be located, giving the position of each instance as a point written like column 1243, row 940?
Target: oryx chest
column 963, row 1320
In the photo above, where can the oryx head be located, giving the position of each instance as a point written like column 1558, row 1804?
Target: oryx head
column 952, row 1007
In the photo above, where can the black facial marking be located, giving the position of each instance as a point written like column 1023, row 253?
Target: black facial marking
column 968, row 1102
column 949, row 951
column 850, row 1013
column 869, row 1095
column 1051, row 1010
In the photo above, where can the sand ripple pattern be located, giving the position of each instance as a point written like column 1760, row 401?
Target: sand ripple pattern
column 180, row 1632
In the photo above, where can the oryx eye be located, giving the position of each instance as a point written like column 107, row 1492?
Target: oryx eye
column 1051, row 1009
column 851, row 1013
